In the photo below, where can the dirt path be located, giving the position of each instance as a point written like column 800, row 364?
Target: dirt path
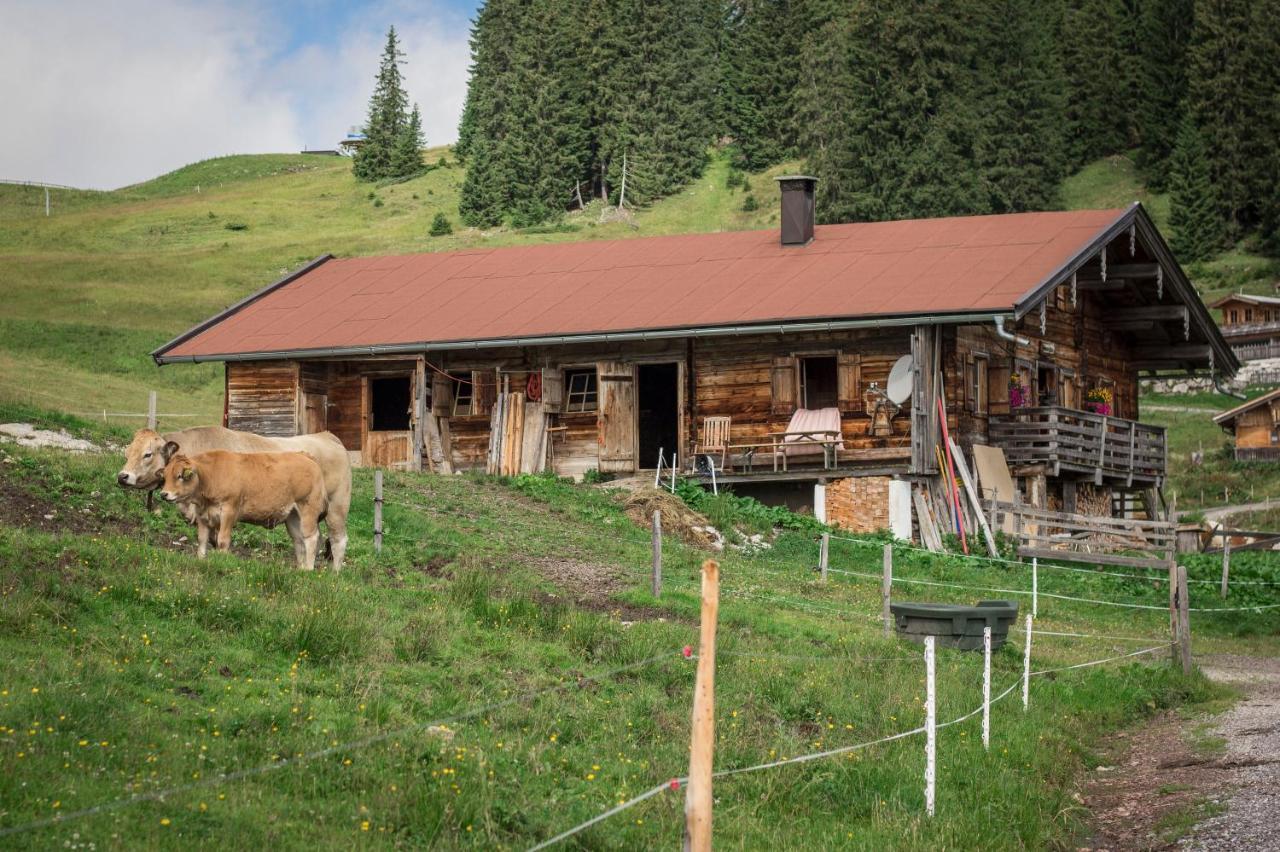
column 1252, row 760
column 1161, row 780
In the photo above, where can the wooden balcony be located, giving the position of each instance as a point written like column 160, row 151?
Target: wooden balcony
column 1257, row 454
column 1080, row 444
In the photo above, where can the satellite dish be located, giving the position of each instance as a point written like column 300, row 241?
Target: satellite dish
column 901, row 380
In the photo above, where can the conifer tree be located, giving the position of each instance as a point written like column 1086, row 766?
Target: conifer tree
column 1019, row 102
column 1096, row 113
column 1195, row 215
column 1233, row 95
column 393, row 135
column 1164, row 33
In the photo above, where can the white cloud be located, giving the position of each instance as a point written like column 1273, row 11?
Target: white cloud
column 104, row 94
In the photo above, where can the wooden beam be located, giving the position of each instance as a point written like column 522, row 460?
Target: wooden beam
column 1120, row 270
column 1152, row 312
column 1183, row 352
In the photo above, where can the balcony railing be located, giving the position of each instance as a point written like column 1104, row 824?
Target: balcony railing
column 1257, row 454
column 1068, row 441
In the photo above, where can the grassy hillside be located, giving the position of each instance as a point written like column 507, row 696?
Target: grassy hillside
column 110, row 275
column 500, row 672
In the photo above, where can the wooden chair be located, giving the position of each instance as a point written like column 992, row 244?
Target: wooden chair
column 714, row 438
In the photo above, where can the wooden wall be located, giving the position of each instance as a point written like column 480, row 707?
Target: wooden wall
column 262, row 397
column 1253, row 428
column 1081, row 345
column 735, row 377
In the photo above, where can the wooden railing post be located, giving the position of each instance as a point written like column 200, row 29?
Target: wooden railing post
column 151, row 411
column 1184, row 621
column 698, row 799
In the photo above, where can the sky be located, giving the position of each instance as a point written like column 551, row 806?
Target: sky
column 105, row 93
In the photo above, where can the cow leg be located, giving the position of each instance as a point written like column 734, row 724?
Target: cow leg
column 293, row 523
column 311, row 540
column 335, row 520
column 202, row 537
column 226, row 521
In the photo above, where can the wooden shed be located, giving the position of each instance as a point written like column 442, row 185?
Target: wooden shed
column 762, row 356
column 1256, row 428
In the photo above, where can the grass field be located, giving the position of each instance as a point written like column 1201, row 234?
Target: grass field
column 394, row 704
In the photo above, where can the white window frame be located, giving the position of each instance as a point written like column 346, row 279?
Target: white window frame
column 587, row 396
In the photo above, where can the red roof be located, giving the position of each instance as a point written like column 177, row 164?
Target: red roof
column 970, row 264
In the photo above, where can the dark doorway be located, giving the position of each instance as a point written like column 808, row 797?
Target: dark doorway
column 659, row 411
column 389, row 404
column 818, row 382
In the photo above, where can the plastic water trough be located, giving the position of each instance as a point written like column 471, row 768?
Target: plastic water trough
column 955, row 625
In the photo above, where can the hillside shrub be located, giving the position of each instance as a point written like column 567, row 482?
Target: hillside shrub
column 749, row 204
column 728, row 511
column 440, row 226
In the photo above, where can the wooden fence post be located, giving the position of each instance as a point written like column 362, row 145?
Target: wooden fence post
column 930, row 725
column 377, row 511
column 1184, row 621
column 886, row 590
column 1174, row 627
column 823, row 550
column 151, row 411
column 698, row 799
column 657, row 553
column 1226, row 563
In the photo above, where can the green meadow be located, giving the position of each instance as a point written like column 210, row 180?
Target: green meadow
column 501, row 672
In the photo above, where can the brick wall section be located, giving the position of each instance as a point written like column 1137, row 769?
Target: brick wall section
column 859, row 503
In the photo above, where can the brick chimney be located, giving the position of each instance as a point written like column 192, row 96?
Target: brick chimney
column 797, row 208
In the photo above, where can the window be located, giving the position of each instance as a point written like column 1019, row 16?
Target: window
column 979, row 394
column 1046, row 384
column 463, row 397
column 580, row 390
column 389, row 404
column 1248, row 314
column 1231, row 316
column 818, row 382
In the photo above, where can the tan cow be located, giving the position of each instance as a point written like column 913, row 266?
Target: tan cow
column 218, row 488
column 145, row 461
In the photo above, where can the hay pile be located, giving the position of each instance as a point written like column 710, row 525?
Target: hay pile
column 677, row 518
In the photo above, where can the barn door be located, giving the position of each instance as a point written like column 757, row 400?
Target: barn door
column 617, row 420
column 315, row 411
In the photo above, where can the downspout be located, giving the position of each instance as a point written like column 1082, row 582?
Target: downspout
column 1008, row 335
column 1225, row 391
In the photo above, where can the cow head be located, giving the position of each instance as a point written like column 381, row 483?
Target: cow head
column 180, row 477
column 145, row 459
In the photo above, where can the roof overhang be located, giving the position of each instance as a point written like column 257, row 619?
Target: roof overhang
column 420, row 347
column 1175, row 281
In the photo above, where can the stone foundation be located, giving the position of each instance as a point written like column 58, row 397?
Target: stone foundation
column 858, row 503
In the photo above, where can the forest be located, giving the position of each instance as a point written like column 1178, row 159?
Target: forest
column 902, row 108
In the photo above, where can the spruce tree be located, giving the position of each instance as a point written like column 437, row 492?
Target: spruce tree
column 1020, row 143
column 1195, row 215
column 393, row 135
column 1091, row 39
column 406, row 158
column 1164, row 33
column 1233, row 96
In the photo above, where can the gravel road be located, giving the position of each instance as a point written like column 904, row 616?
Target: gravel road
column 1252, row 759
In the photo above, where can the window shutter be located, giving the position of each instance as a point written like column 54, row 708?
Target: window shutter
column 971, row 384
column 553, row 389
column 998, row 388
column 849, row 381
column 441, row 394
column 484, row 390
column 784, row 384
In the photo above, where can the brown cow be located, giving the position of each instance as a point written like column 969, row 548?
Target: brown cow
column 145, row 460
column 219, row 488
